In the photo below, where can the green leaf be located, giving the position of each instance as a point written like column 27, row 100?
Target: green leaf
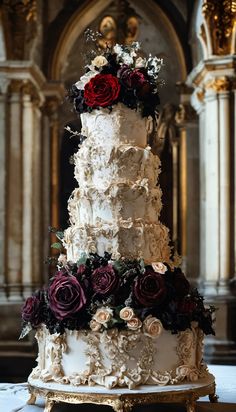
column 82, row 260
column 59, row 235
column 56, row 245
column 26, row 329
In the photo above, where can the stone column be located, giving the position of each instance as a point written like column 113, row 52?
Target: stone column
column 14, row 194
column 54, row 94
column 188, row 184
column 3, row 161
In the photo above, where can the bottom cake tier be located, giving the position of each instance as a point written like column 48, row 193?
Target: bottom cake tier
column 119, row 358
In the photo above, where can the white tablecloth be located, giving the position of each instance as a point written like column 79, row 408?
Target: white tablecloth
column 13, row 397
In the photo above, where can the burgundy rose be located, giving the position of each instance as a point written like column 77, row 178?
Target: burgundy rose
column 32, row 311
column 104, row 280
column 149, row 288
column 66, row 296
column 180, row 283
column 102, row 90
column 133, row 79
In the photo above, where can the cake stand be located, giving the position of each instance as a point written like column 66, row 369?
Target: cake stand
column 123, row 399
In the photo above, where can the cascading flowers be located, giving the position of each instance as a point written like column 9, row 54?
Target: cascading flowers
column 120, row 74
column 99, row 293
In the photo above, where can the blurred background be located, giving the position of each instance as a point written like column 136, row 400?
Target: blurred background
column 42, row 53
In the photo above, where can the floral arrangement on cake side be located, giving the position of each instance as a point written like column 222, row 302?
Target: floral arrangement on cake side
column 98, row 293
column 119, row 74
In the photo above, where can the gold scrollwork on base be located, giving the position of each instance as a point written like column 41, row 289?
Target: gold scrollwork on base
column 124, row 402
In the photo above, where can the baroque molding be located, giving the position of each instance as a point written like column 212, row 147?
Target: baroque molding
column 24, row 88
column 218, row 30
column 218, row 84
column 20, row 26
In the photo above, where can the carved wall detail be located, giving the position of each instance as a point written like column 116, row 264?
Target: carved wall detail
column 20, row 27
column 119, row 25
column 219, row 29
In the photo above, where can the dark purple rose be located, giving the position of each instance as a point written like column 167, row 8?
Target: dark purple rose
column 149, row 288
column 32, row 311
column 133, row 79
column 104, row 280
column 180, row 283
column 66, row 296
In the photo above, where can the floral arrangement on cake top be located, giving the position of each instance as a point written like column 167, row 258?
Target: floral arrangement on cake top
column 119, row 74
column 98, row 293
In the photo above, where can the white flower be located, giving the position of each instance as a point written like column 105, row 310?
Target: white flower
column 118, row 49
column 152, row 326
column 99, row 61
column 85, row 79
column 159, row 267
column 140, row 62
column 134, row 323
column 126, row 313
column 103, row 315
column 154, row 65
column 62, row 259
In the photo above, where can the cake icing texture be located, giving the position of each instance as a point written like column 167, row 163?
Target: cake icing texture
column 116, row 205
column 118, row 312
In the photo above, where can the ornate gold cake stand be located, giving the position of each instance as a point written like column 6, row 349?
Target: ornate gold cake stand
column 123, row 399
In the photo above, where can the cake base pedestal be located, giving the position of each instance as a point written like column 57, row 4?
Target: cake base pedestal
column 123, row 399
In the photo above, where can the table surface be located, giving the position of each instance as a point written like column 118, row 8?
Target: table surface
column 13, row 397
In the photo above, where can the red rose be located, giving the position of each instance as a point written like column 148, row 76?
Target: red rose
column 149, row 288
column 102, row 90
column 66, row 296
column 104, row 280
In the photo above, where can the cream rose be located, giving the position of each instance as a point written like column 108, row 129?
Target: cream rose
column 159, row 267
column 152, row 326
column 103, row 315
column 140, row 62
column 134, row 323
column 126, row 313
column 94, row 325
column 99, row 61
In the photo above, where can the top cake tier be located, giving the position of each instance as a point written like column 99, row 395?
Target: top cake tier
column 119, row 126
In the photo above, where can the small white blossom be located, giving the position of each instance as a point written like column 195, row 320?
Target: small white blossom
column 85, row 79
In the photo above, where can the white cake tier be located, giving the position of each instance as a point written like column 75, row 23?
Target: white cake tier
column 118, row 202
column 101, row 166
column 118, row 126
column 119, row 358
column 129, row 239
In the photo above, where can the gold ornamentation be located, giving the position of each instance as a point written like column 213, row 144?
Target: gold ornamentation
column 19, row 19
column 218, row 84
column 120, row 25
column 124, row 402
column 220, row 24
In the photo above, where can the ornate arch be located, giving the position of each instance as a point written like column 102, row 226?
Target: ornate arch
column 76, row 21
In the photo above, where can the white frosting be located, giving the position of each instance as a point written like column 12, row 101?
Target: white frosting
column 117, row 205
column 119, row 358
column 132, row 239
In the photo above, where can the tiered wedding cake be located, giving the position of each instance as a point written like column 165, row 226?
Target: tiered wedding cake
column 118, row 312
